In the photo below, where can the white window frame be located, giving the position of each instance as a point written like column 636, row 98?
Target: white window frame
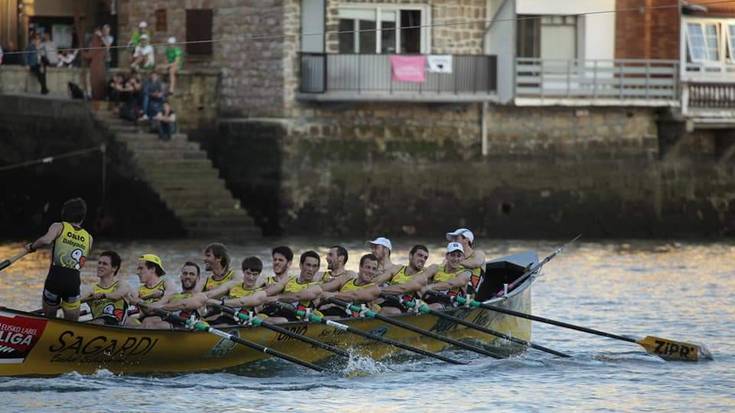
column 703, row 23
column 425, row 9
column 730, row 38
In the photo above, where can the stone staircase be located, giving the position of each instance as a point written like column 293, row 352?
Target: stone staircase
column 184, row 179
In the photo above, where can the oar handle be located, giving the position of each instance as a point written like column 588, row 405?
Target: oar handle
column 554, row 322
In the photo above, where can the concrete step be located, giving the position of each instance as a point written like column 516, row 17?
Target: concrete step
column 201, row 214
column 143, row 135
column 202, row 165
column 133, row 145
column 161, row 154
column 201, row 203
column 213, row 190
column 199, row 178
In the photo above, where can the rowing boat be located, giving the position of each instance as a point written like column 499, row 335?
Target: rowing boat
column 32, row 345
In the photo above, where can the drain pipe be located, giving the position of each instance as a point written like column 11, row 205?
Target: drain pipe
column 483, row 128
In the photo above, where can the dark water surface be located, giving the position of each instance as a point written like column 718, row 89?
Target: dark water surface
column 680, row 291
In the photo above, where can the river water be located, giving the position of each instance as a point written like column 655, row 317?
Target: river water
column 676, row 290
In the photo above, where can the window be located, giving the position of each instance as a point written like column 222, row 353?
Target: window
column 703, row 41
column 731, row 40
column 161, row 24
column 199, row 29
column 547, row 37
column 528, row 42
column 383, row 29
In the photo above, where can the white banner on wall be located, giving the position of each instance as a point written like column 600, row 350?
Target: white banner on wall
column 440, row 63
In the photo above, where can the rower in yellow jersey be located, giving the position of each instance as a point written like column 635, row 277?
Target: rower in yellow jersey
column 452, row 279
column 300, row 291
column 152, row 288
column 247, row 296
column 70, row 246
column 185, row 304
column 281, row 257
column 336, row 274
column 217, row 261
column 359, row 290
column 474, row 260
column 108, row 298
column 407, row 281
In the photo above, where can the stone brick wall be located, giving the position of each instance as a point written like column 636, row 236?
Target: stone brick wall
column 649, row 33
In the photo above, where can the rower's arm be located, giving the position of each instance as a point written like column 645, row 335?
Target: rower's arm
column 277, row 287
column 418, row 282
column 476, row 260
column 87, row 293
column 248, row 301
column 191, row 303
column 310, row 293
column 338, row 282
column 123, row 290
column 460, row 280
column 363, row 295
column 170, row 291
column 222, row 289
column 385, row 276
column 53, row 232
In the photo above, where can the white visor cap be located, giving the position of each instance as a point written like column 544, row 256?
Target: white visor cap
column 382, row 241
column 463, row 232
column 454, row 246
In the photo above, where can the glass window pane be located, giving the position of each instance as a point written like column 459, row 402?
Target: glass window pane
column 388, row 32
column 713, row 49
column 346, row 36
column 410, row 31
column 696, row 42
column 368, row 34
column 732, row 41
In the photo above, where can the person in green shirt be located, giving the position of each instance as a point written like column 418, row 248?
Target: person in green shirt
column 174, row 61
column 136, row 34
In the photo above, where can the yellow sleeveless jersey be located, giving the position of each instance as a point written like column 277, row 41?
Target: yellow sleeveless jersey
column 327, row 277
column 351, row 286
column 71, row 248
column 183, row 296
column 239, row 291
column 211, row 283
column 400, row 277
column 144, row 291
column 106, row 307
column 444, row 276
column 294, row 286
column 475, row 276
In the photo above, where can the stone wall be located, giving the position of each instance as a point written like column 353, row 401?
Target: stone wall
column 18, row 79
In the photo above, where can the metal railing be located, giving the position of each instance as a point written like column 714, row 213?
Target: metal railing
column 625, row 79
column 371, row 74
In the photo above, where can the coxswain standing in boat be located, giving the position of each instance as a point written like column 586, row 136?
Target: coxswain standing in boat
column 152, row 289
column 217, row 261
column 336, row 274
column 301, row 291
column 381, row 247
column 107, row 299
column 281, row 258
column 474, row 260
column 247, row 296
column 70, row 246
column 407, row 280
column 359, row 290
column 185, row 304
column 452, row 279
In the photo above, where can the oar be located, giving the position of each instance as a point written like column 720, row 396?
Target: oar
column 203, row 326
column 662, row 347
column 425, row 309
column 406, row 326
column 344, row 327
column 534, row 269
column 262, row 323
column 7, row 263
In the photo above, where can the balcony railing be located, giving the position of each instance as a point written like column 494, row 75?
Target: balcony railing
column 716, row 72
column 340, row 77
column 711, row 95
column 652, row 82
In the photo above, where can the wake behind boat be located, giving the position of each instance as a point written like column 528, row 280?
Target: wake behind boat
column 33, row 345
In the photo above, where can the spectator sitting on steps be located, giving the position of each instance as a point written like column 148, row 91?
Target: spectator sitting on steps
column 153, row 95
column 144, row 56
column 165, row 122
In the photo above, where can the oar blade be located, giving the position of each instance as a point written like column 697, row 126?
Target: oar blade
column 673, row 350
column 5, row 264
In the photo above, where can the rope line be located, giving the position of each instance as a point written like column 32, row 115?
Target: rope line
column 50, row 159
column 445, row 24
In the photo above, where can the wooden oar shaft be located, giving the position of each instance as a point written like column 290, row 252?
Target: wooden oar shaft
column 555, row 322
column 262, row 323
column 7, row 263
column 200, row 326
column 374, row 337
column 486, row 330
column 421, row 331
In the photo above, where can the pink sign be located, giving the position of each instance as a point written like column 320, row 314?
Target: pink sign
column 408, row 68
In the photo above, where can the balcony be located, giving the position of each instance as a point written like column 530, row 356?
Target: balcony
column 630, row 82
column 368, row 77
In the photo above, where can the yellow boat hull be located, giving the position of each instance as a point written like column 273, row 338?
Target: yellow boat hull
column 31, row 345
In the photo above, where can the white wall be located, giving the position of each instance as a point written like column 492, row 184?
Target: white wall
column 500, row 40
column 596, row 32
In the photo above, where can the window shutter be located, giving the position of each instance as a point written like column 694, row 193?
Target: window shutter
column 199, row 28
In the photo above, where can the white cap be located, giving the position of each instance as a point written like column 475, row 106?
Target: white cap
column 463, row 232
column 144, row 37
column 142, row 25
column 171, row 40
column 454, row 246
column 382, row 241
